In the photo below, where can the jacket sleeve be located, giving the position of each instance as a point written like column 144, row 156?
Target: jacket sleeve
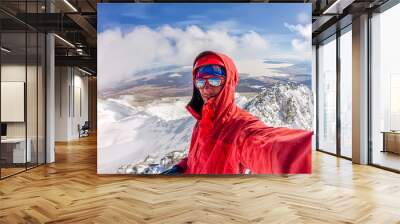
column 276, row 150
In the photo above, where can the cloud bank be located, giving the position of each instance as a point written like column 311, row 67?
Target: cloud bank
column 124, row 52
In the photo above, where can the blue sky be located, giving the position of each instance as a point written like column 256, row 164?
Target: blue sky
column 265, row 18
column 133, row 37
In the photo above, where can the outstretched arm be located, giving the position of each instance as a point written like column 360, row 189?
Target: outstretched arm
column 277, row 150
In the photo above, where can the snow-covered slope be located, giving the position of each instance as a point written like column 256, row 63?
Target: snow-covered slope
column 129, row 135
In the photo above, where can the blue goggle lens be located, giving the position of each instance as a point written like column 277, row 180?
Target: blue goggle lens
column 214, row 81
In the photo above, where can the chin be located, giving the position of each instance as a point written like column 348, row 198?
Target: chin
column 207, row 98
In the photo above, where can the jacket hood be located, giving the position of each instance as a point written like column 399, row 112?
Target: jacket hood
column 224, row 102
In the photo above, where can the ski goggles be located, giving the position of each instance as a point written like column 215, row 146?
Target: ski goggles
column 216, row 70
column 213, row 81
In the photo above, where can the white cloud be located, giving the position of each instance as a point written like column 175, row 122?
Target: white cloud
column 302, row 43
column 302, row 30
column 121, row 54
column 175, row 75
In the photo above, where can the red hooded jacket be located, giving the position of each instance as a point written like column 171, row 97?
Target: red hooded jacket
column 228, row 140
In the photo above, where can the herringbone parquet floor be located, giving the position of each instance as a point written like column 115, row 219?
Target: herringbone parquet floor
column 70, row 191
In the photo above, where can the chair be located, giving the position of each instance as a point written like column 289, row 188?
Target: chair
column 84, row 130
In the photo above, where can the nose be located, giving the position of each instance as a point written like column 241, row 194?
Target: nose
column 207, row 87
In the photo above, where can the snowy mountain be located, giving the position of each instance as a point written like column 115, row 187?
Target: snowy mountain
column 289, row 105
column 151, row 138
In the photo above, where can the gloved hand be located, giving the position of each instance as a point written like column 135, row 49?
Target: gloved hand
column 173, row 170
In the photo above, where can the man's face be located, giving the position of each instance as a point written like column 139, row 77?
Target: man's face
column 209, row 91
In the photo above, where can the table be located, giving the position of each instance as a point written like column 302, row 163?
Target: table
column 391, row 141
column 19, row 155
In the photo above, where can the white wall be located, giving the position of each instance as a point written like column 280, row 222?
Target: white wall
column 12, row 73
column 33, row 126
column 62, row 81
column 70, row 83
column 17, row 73
column 13, row 101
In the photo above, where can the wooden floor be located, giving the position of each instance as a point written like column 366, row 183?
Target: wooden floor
column 70, row 191
column 10, row 171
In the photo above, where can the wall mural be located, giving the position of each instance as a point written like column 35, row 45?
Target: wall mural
column 204, row 88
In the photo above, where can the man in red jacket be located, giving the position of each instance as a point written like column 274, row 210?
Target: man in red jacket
column 227, row 139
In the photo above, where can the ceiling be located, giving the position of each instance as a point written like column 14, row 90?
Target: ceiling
column 75, row 22
column 329, row 16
